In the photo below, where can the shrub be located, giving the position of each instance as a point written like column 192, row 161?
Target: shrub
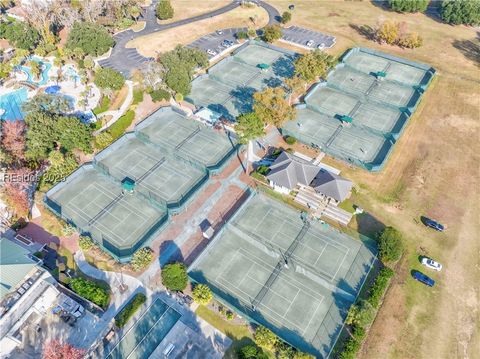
column 290, row 140
column 251, row 33
column 388, row 32
column 141, row 258
column 286, row 17
column 137, row 96
column 248, row 351
column 93, row 39
column 85, row 243
column 178, row 97
column 102, row 140
column 129, row 310
column 379, row 286
column 174, row 276
column 263, row 170
column 271, row 33
column 390, row 245
column 230, row 315
column 361, row 314
column 119, row 127
column 21, row 34
column 68, row 229
column 265, row 338
column 90, row 290
column 202, row 294
column 109, row 78
column 242, row 35
column 410, row 41
column 408, row 5
column 159, row 95
column 164, row 10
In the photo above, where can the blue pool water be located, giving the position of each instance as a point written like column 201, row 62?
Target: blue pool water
column 44, row 75
column 11, row 104
column 71, row 73
column 146, row 334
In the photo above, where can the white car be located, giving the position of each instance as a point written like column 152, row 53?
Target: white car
column 321, row 46
column 430, row 263
column 310, row 43
column 211, row 52
column 219, row 32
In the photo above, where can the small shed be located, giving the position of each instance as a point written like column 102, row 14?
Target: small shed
column 128, row 185
column 208, row 116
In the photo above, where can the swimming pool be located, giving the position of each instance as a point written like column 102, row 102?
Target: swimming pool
column 71, row 73
column 11, row 105
column 43, row 76
column 140, row 341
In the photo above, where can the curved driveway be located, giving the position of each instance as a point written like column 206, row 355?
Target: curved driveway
column 125, row 60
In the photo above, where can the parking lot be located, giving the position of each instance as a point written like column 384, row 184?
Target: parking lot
column 214, row 40
column 301, row 37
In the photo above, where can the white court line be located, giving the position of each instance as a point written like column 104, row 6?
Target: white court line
column 262, row 266
column 313, row 316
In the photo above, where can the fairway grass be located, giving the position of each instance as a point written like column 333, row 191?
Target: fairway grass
column 433, row 171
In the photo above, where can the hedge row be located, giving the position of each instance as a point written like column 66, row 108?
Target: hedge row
column 119, row 127
column 91, row 291
column 379, row 286
column 129, row 310
column 353, row 343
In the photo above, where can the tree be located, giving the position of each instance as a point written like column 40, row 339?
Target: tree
column 249, row 127
column 48, row 103
column 408, row 5
column 21, row 34
column 88, row 63
column 390, row 246
column 270, row 106
column 294, row 84
column 153, row 74
column 13, row 139
column 142, row 258
column 53, row 349
column 179, row 80
column 265, row 338
column 72, row 134
column 286, row 17
column 465, row 12
column 5, row 70
column 93, row 39
column 202, row 294
column 313, row 65
column 164, row 10
column 60, row 166
column 174, row 276
column 35, row 69
column 17, row 182
column 109, row 78
column 272, row 33
column 388, row 32
column 90, row 290
column 248, row 352
column 134, row 12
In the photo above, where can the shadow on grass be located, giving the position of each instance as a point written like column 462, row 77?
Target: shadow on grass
column 237, row 344
column 469, row 48
column 366, row 31
column 368, row 225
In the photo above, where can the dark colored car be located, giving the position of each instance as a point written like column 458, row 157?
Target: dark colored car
column 423, row 278
column 433, row 224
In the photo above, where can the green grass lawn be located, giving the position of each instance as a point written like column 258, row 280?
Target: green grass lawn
column 240, row 334
column 347, row 205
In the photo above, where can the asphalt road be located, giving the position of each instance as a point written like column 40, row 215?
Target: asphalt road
column 125, row 60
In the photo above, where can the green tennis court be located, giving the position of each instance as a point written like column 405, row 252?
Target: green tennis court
column 306, row 302
column 377, row 91
column 187, row 138
column 156, row 174
column 229, row 85
column 96, row 205
column 395, row 71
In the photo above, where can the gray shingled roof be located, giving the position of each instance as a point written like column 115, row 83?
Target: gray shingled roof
column 289, row 170
column 332, row 185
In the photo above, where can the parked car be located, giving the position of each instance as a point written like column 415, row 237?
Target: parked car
column 310, row 43
column 291, row 7
column 433, row 224
column 219, row 32
column 430, row 263
column 321, row 46
column 211, row 52
column 423, row 278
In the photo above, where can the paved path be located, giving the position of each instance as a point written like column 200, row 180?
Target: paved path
column 125, row 60
column 116, row 114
